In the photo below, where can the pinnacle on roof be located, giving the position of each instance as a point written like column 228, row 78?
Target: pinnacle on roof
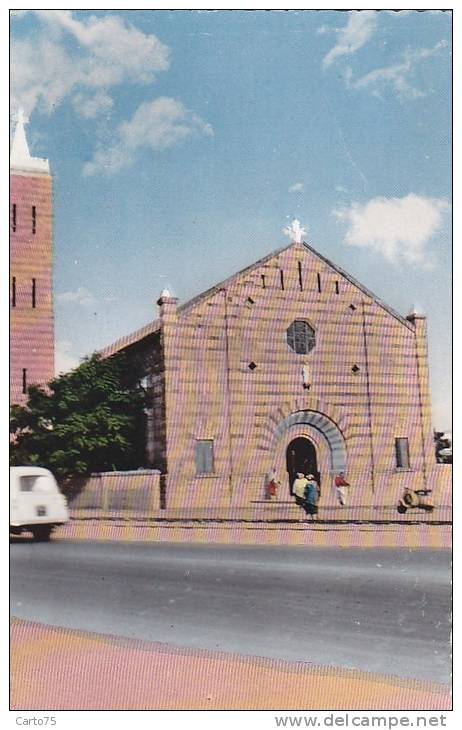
column 415, row 311
column 20, row 157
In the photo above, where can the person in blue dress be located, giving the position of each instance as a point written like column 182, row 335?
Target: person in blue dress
column 311, row 496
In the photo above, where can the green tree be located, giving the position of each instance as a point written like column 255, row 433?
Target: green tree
column 88, row 420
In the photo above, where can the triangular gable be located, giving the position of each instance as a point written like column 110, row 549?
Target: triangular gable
column 152, row 327
column 231, row 280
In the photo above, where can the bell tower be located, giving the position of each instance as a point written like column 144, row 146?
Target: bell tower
column 31, row 268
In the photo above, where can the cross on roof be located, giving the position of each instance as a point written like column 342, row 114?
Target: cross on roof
column 295, row 231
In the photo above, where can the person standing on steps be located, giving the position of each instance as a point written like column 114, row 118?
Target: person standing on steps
column 341, row 486
column 272, row 485
column 298, row 489
column 311, row 496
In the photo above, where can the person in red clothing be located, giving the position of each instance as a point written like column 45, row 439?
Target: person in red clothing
column 272, row 485
column 341, row 486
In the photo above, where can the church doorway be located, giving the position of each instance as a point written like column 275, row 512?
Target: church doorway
column 301, row 457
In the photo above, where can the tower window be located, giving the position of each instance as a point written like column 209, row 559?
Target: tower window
column 204, row 457
column 336, row 287
column 34, row 219
column 281, row 275
column 301, row 337
column 402, row 453
column 263, row 281
column 319, row 282
column 13, row 291
column 13, row 217
column 24, row 381
column 34, row 292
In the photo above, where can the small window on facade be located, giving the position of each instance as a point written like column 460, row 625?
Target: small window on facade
column 263, row 281
column 13, row 217
column 336, row 287
column 319, row 282
column 34, row 292
column 301, row 337
column 34, row 219
column 352, row 307
column 24, row 381
column 252, row 365
column 300, row 279
column 204, row 456
column 13, row 291
column 402, row 453
column 281, row 275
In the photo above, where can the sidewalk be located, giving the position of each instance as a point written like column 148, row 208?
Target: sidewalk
column 276, row 512
column 62, row 669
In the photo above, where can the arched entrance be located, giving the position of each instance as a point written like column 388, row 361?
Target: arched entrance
column 301, row 457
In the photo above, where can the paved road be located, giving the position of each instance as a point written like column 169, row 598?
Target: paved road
column 376, row 610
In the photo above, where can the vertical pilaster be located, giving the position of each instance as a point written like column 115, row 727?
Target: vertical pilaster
column 169, row 345
column 421, row 353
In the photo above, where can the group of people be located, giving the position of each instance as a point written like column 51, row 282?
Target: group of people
column 307, row 491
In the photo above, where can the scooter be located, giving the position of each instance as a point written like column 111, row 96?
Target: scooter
column 415, row 499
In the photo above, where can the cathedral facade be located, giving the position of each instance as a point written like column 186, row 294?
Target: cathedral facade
column 289, row 365
column 31, row 267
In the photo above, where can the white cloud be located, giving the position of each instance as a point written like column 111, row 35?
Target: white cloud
column 360, row 27
column 155, row 125
column 80, row 297
column 91, row 105
column 297, row 187
column 64, row 360
column 81, row 60
column 397, row 228
column 396, row 76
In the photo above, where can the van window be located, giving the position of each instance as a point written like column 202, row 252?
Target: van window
column 36, row 483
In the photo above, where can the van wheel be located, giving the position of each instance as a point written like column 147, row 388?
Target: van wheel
column 41, row 533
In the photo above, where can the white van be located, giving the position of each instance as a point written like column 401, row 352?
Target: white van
column 36, row 504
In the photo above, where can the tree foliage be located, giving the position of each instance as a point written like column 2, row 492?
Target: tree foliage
column 88, row 420
column 443, row 449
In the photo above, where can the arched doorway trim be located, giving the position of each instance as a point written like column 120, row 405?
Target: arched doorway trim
column 326, row 427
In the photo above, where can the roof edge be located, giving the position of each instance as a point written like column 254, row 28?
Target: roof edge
column 227, row 282
column 360, row 286
column 131, row 339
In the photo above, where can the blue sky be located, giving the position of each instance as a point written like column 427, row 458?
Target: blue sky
column 182, row 143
